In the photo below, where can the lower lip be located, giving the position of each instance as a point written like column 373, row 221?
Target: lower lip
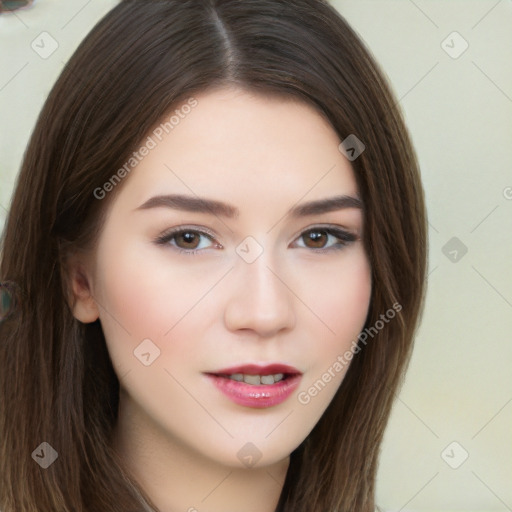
column 248, row 395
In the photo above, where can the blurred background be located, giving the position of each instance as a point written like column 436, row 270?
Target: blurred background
column 448, row 446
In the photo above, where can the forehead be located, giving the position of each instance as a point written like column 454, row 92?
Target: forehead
column 246, row 145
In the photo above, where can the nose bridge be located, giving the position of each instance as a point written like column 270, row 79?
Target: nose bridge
column 260, row 300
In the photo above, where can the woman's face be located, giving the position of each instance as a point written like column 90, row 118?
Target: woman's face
column 260, row 281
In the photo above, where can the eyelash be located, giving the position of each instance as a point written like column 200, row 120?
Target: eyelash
column 344, row 236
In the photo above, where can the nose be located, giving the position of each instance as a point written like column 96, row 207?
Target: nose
column 260, row 299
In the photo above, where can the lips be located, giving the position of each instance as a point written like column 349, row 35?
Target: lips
column 257, row 386
column 255, row 369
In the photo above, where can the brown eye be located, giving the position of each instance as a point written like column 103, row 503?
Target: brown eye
column 189, row 239
column 318, row 238
column 326, row 239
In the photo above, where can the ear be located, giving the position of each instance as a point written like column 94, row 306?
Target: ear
column 82, row 302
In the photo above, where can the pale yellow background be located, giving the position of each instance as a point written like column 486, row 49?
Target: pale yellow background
column 459, row 111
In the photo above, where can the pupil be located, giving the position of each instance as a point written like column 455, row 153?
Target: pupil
column 316, row 237
column 188, row 237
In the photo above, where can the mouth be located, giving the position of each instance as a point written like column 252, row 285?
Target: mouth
column 257, row 386
column 257, row 375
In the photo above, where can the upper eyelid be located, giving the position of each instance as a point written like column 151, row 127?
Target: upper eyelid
column 183, row 229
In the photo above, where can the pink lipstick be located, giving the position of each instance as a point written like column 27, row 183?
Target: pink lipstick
column 257, row 386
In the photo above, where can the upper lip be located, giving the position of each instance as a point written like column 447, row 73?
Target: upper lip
column 258, row 369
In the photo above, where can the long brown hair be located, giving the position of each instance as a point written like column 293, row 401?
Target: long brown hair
column 57, row 383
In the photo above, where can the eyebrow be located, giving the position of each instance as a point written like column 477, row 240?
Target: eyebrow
column 218, row 208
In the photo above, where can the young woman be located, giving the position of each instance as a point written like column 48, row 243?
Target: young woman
column 214, row 260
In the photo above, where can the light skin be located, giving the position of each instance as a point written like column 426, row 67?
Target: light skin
column 294, row 304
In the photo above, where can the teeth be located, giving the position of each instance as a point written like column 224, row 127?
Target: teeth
column 257, row 380
column 267, row 379
column 252, row 379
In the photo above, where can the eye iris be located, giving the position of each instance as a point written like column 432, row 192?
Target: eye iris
column 319, row 238
column 189, row 238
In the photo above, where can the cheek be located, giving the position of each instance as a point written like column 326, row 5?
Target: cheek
column 145, row 296
column 340, row 294
column 350, row 305
column 340, row 297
